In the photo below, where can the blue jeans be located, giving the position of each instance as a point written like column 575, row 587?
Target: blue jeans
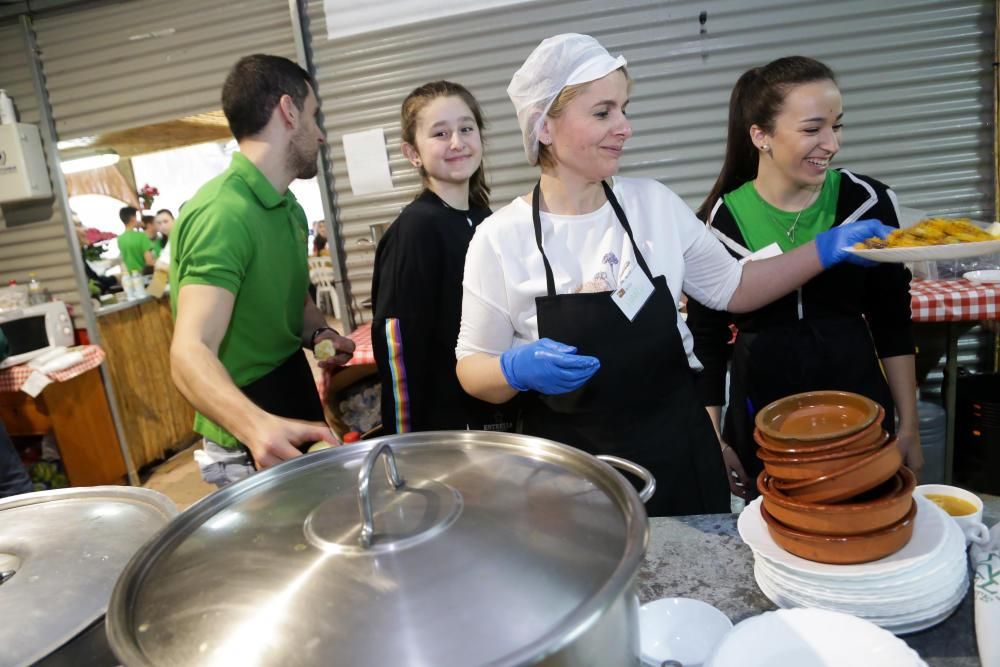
column 13, row 475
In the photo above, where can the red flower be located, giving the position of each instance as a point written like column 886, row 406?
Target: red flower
column 96, row 236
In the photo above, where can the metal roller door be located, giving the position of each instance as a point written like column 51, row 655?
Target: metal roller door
column 916, row 77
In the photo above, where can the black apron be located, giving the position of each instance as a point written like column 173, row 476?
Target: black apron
column 641, row 404
column 288, row 391
column 807, row 355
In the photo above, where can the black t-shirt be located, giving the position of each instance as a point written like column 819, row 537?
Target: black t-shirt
column 417, row 301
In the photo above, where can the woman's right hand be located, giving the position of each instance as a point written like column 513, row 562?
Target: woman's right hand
column 547, row 366
column 739, row 481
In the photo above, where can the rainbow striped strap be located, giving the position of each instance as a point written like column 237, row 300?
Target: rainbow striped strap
column 397, row 369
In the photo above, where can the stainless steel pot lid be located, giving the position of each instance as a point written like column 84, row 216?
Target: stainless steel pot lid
column 494, row 548
column 60, row 555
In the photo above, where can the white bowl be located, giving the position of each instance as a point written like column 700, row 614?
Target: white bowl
column 971, row 524
column 680, row 629
column 811, row 637
column 983, row 276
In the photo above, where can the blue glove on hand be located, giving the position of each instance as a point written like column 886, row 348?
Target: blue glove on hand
column 831, row 244
column 547, row 367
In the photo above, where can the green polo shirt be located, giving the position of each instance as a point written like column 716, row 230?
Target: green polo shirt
column 240, row 234
column 133, row 245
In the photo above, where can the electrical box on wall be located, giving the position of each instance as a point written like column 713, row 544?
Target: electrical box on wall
column 23, row 174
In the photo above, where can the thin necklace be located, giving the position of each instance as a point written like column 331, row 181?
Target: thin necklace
column 790, row 231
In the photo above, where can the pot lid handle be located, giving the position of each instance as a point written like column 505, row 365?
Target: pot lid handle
column 649, row 482
column 364, row 476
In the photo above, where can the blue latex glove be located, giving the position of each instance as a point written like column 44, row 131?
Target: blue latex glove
column 831, row 244
column 547, row 367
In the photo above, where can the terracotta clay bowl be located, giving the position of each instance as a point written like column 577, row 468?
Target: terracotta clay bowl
column 862, row 438
column 850, row 481
column 811, row 466
column 816, row 416
column 843, row 549
column 877, row 509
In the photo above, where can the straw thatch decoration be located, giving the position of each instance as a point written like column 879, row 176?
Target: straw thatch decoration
column 104, row 181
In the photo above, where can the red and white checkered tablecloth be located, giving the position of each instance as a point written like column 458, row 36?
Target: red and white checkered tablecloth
column 362, row 337
column 953, row 301
column 931, row 301
column 12, row 378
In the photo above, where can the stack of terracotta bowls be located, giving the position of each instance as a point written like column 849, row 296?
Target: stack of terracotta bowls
column 834, row 488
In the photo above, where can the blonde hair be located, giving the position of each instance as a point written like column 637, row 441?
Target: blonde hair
column 565, row 96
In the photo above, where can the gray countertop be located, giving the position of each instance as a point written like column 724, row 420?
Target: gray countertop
column 703, row 557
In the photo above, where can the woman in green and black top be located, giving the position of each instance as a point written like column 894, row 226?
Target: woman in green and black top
column 776, row 192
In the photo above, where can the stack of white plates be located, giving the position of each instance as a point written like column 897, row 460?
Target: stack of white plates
column 911, row 590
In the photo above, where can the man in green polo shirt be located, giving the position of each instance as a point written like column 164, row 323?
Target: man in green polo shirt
column 135, row 247
column 239, row 280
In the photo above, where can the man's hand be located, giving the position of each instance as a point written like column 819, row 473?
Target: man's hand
column 275, row 439
column 343, row 349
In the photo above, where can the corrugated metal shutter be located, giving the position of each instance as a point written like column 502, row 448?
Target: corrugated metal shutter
column 15, row 73
column 34, row 240
column 118, row 65
column 916, row 78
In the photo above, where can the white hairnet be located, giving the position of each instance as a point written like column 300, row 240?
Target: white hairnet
column 560, row 61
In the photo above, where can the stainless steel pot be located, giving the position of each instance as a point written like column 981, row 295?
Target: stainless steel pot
column 474, row 548
column 61, row 553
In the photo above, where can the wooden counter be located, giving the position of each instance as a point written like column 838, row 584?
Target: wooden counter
column 77, row 413
column 156, row 420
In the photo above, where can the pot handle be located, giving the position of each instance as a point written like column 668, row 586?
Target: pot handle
column 364, row 476
column 624, row 464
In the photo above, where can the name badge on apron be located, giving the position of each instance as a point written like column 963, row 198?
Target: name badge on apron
column 634, row 289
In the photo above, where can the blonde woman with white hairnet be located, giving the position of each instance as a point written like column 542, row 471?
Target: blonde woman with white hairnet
column 570, row 292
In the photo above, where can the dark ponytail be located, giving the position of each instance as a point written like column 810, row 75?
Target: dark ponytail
column 756, row 99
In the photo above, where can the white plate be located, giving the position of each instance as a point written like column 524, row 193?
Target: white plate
column 928, row 252
column 900, row 625
column 811, row 637
column 941, row 572
column 680, row 629
column 929, row 538
column 937, row 584
column 983, row 276
column 884, row 612
column 919, row 626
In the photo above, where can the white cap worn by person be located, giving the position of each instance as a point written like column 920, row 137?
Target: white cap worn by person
column 560, row 61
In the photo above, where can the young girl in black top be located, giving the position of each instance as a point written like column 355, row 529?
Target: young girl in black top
column 417, row 285
column 840, row 329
